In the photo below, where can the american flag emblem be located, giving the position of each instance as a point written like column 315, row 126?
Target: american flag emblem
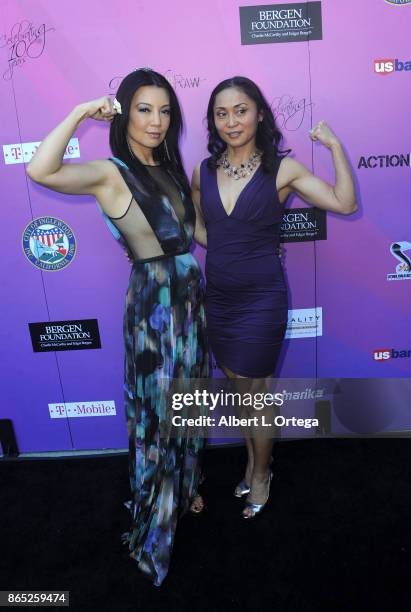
column 49, row 243
column 48, row 237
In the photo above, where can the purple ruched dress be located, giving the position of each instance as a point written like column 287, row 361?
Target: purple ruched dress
column 246, row 294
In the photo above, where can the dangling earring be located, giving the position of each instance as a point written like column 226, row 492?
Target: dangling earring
column 130, row 149
column 166, row 149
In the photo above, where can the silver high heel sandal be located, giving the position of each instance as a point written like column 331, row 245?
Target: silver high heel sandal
column 256, row 509
column 243, row 488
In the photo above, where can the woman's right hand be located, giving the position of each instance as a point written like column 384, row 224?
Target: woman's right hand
column 100, row 109
column 48, row 169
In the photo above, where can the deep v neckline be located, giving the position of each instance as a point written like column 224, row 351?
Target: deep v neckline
column 239, row 195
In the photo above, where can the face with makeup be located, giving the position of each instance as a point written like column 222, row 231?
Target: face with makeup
column 149, row 117
column 236, row 117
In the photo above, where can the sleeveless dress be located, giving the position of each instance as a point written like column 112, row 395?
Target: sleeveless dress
column 164, row 336
column 246, row 293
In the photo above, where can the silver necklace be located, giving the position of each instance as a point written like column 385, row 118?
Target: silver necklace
column 241, row 171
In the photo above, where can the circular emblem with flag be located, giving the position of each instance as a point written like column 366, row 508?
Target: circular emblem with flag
column 49, row 243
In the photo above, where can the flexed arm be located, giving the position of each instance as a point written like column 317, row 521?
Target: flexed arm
column 200, row 233
column 46, row 166
column 338, row 198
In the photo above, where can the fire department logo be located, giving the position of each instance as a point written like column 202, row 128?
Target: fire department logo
column 49, row 244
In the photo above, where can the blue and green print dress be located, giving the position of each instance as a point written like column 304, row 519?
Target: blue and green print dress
column 165, row 338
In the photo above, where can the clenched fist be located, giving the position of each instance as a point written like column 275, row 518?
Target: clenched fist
column 100, row 109
column 324, row 134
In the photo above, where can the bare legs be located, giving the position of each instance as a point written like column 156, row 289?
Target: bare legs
column 259, row 451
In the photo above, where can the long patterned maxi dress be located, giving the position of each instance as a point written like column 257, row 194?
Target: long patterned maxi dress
column 164, row 335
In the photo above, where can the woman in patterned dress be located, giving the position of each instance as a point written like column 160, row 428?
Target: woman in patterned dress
column 143, row 193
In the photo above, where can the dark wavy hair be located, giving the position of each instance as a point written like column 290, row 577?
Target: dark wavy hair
column 118, row 130
column 268, row 137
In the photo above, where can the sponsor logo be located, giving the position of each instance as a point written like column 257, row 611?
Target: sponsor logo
column 183, row 81
column 305, row 323
column 23, row 152
column 25, row 42
column 303, row 224
column 398, row 2
column 402, row 269
column 176, row 79
column 65, row 335
column 398, row 160
column 385, row 354
column 289, row 112
column 280, row 23
column 82, row 409
column 49, row 244
column 308, row 393
column 387, row 66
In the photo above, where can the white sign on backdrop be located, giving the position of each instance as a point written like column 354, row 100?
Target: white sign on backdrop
column 23, row 152
column 305, row 323
column 82, row 409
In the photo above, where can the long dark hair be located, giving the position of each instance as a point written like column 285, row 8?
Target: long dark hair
column 118, row 130
column 268, row 137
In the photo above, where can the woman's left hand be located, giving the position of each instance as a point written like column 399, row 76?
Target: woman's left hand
column 324, row 134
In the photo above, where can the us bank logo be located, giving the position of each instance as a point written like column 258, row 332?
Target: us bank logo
column 49, row 244
column 388, row 66
column 385, row 354
column 403, row 268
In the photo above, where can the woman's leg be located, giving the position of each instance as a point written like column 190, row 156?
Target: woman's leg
column 248, row 441
column 259, row 450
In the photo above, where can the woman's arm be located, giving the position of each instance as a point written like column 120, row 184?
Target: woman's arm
column 46, row 166
column 200, row 233
column 338, row 198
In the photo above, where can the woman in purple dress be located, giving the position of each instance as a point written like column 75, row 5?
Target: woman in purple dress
column 239, row 193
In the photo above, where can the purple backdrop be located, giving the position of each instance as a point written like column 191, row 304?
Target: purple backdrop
column 53, row 57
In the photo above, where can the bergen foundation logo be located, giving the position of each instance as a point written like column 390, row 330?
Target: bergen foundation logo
column 303, row 224
column 385, row 354
column 280, row 23
column 388, row 66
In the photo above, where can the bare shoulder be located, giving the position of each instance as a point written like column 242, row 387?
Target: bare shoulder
column 113, row 181
column 105, row 167
column 113, row 194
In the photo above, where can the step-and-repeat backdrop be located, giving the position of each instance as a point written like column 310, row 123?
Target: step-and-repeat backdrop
column 64, row 277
